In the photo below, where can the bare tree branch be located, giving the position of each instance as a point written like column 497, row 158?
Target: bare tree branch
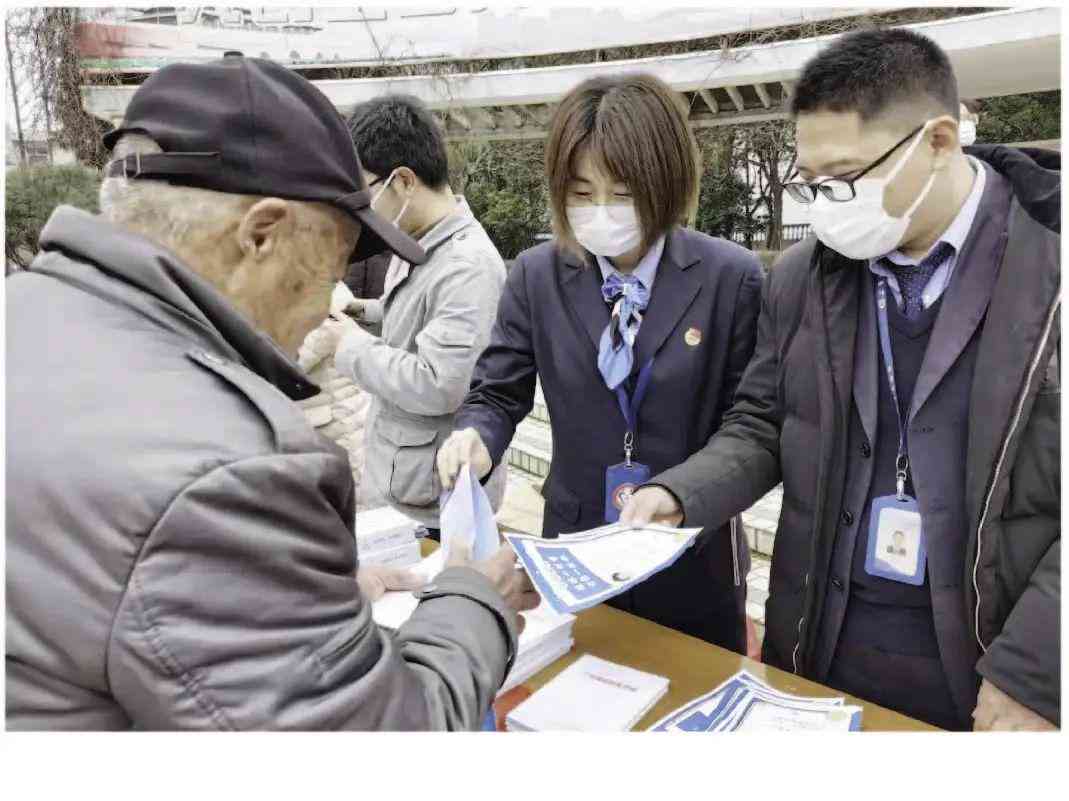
column 47, row 60
column 14, row 93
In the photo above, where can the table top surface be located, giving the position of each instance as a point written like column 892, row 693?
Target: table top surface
column 694, row 667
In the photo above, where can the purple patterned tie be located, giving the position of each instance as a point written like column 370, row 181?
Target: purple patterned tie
column 913, row 279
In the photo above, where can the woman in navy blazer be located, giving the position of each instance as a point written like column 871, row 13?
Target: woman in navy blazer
column 623, row 172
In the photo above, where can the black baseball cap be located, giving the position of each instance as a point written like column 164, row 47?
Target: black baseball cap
column 249, row 126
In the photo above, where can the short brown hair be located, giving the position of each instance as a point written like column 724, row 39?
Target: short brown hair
column 972, row 106
column 636, row 129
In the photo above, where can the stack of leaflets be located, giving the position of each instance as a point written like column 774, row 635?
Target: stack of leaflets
column 384, row 536
column 745, row 703
column 590, row 695
column 577, row 571
column 546, row 637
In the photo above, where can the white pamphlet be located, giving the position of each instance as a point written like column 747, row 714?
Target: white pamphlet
column 590, row 695
column 577, row 571
column 745, row 703
column 466, row 516
column 382, row 528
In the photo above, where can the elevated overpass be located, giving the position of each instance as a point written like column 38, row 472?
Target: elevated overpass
column 997, row 53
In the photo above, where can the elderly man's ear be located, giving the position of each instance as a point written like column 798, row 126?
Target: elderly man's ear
column 264, row 225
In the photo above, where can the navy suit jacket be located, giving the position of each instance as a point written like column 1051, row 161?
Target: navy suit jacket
column 700, row 324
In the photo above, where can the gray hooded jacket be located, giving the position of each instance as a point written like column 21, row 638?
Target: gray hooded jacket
column 180, row 550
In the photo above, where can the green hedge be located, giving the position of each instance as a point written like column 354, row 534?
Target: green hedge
column 33, row 193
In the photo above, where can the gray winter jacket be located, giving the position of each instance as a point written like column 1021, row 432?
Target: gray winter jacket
column 180, row 550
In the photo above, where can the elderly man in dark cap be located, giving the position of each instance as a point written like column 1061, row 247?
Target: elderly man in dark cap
column 180, row 553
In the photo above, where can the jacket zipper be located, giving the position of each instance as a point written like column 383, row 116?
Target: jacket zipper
column 801, row 622
column 1002, row 457
column 735, row 548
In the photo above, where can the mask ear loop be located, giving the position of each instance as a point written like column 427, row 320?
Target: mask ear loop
column 909, row 152
column 921, row 197
column 404, row 208
column 901, row 163
column 382, row 189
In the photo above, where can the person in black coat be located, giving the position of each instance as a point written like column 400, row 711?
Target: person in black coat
column 367, row 279
column 907, row 360
column 623, row 300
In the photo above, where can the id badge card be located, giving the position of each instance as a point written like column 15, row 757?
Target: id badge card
column 896, row 548
column 621, row 480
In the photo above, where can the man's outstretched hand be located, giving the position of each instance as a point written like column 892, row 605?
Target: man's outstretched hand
column 652, row 505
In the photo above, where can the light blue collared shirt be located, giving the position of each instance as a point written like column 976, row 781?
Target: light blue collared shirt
column 645, row 271
column 955, row 236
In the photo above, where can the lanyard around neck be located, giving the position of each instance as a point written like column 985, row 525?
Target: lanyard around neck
column 629, row 406
column 902, row 461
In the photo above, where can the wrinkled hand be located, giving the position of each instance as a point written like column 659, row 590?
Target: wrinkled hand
column 462, row 447
column 375, row 580
column 514, row 585
column 652, row 505
column 996, row 711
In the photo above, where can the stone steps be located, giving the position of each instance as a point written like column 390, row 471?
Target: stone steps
column 531, row 449
column 760, row 520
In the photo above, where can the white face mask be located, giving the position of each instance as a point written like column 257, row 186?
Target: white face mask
column 608, row 231
column 382, row 189
column 966, row 132
column 860, row 228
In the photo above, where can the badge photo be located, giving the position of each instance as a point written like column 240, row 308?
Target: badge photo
column 896, row 548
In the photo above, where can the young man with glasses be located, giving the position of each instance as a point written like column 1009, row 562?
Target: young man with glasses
column 435, row 318
column 905, row 380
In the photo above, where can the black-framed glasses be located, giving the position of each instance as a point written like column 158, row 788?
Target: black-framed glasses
column 840, row 189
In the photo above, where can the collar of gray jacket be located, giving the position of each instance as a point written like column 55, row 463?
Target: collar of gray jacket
column 455, row 221
column 131, row 259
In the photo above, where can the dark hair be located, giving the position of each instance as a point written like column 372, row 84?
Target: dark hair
column 636, row 130
column 871, row 71
column 972, row 106
column 399, row 131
